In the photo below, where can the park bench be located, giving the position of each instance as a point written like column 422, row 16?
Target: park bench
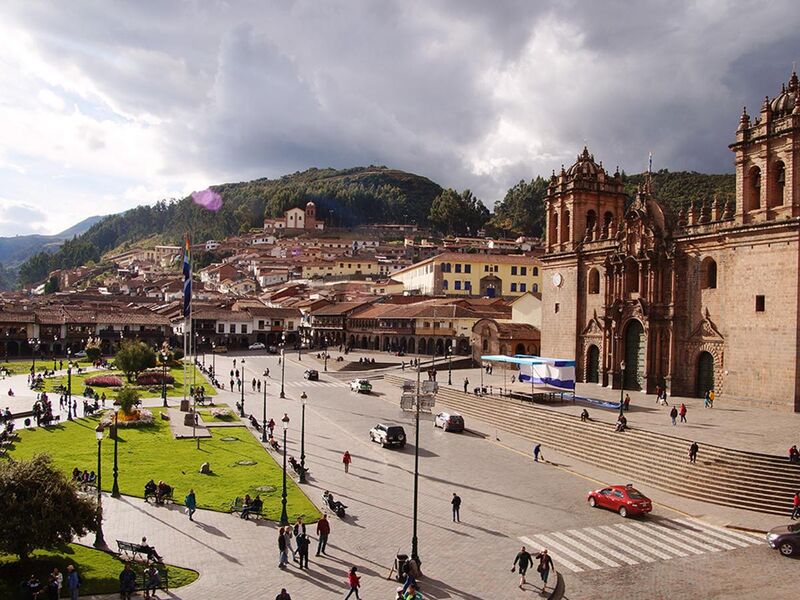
column 131, row 550
column 237, row 506
column 165, row 498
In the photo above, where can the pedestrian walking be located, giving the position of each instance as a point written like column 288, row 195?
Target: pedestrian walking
column 302, row 547
column 271, row 426
column 323, row 530
column 537, row 452
column 259, row 386
column 523, row 560
column 682, row 412
column 796, row 506
column 346, row 460
column 191, row 503
column 253, row 385
column 283, row 558
column 290, row 543
column 693, row 452
column 456, row 502
column 626, row 404
column 545, row 565
column 284, row 595
column 673, row 415
column 354, row 581
column 466, row 384
column 73, row 582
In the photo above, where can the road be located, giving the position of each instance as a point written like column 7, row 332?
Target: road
column 508, row 501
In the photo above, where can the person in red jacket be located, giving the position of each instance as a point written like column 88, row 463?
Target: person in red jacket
column 346, row 460
column 323, row 529
column 682, row 412
column 796, row 505
column 354, row 581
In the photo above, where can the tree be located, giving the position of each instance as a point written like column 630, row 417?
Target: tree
column 128, row 399
column 522, row 209
column 93, row 350
column 454, row 213
column 40, row 508
column 133, row 358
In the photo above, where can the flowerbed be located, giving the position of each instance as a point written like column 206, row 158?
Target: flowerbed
column 138, row 418
column 104, row 381
column 222, row 413
column 154, row 378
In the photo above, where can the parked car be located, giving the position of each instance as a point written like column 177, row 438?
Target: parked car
column 362, row 386
column 81, row 354
column 272, row 350
column 311, row 374
column 449, row 421
column 256, row 346
column 785, row 539
column 388, row 435
column 220, row 349
column 624, row 499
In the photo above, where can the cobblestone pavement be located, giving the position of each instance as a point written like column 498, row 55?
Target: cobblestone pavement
column 508, row 500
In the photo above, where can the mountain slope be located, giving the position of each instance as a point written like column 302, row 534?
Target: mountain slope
column 17, row 249
column 343, row 197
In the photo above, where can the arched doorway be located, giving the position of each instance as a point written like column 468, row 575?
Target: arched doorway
column 463, row 346
column 634, row 355
column 520, row 349
column 439, row 347
column 430, row 345
column 593, row 365
column 411, row 346
column 705, row 374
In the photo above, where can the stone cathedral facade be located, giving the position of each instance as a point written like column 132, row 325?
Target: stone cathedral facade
column 704, row 299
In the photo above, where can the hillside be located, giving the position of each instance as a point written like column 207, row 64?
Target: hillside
column 15, row 250
column 679, row 189
column 343, row 197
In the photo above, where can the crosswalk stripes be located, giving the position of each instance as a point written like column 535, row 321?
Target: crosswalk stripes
column 633, row 542
column 310, row 384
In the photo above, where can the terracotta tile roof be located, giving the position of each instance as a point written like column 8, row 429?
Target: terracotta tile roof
column 339, row 308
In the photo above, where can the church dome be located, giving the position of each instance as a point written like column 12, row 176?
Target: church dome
column 310, row 204
column 585, row 166
column 783, row 103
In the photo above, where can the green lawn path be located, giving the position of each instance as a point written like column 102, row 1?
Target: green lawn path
column 152, row 452
column 79, row 383
column 99, row 570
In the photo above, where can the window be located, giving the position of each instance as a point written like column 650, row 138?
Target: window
column 458, row 285
column 523, row 287
column 594, row 281
column 467, row 268
column 458, row 267
column 445, row 284
column 513, row 287
column 535, row 271
column 261, row 324
column 485, row 268
column 427, row 324
column 760, row 304
column 523, row 271
column 291, row 325
column 232, row 328
column 513, row 270
column 556, row 307
column 708, row 274
column 495, row 269
column 535, row 288
column 244, row 328
column 467, row 285
column 221, row 328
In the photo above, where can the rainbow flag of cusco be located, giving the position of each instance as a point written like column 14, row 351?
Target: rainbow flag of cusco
column 187, row 278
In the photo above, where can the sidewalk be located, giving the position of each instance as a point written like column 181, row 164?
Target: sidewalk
column 732, row 426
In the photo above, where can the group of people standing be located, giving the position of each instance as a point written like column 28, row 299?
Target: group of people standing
column 294, row 539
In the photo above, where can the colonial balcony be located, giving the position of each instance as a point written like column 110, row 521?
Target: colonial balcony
column 436, row 331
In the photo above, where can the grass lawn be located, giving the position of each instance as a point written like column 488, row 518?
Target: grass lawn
column 152, row 452
column 99, row 570
column 23, row 366
column 79, row 383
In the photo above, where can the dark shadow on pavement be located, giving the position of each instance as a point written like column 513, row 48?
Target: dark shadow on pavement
column 438, row 589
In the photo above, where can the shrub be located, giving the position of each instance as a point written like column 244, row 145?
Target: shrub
column 154, row 378
column 128, row 399
column 137, row 418
column 104, row 381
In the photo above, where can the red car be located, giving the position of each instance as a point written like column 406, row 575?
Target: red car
column 624, row 499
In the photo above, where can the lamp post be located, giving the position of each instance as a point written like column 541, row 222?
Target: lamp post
column 283, row 363
column 99, row 541
column 284, row 516
column 35, row 344
column 414, row 540
column 264, row 416
column 69, row 384
column 621, row 388
column 241, row 407
column 325, row 352
column 303, row 438
column 164, row 358
column 213, row 359
column 115, row 487
column 449, row 362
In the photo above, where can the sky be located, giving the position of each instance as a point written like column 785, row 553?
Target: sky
column 108, row 105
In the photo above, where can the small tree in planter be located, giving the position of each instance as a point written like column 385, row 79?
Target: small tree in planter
column 128, row 399
column 93, row 351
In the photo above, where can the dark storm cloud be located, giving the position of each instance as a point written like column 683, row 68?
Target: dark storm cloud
column 470, row 93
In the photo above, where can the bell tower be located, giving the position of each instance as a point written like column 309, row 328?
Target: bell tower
column 311, row 216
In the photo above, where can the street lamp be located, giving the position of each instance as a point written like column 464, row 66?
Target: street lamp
column 115, row 487
column 69, row 385
column 303, row 438
column 621, row 388
column 414, row 541
column 35, row 345
column 264, row 416
column 164, row 358
column 99, row 541
column 213, row 359
column 283, row 363
column 325, row 352
column 449, row 362
column 284, row 516
column 241, row 406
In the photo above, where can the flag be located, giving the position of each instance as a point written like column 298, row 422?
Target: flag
column 187, row 278
column 208, row 199
column 650, row 163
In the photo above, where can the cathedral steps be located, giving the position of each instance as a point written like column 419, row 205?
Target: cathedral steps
column 725, row 476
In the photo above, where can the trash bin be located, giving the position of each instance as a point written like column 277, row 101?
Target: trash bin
column 400, row 566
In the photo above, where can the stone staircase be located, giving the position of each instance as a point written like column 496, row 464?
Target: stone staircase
column 736, row 478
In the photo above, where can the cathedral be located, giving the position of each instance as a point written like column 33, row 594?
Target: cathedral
column 706, row 299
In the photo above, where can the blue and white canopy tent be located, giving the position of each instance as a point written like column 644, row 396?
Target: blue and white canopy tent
column 551, row 372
